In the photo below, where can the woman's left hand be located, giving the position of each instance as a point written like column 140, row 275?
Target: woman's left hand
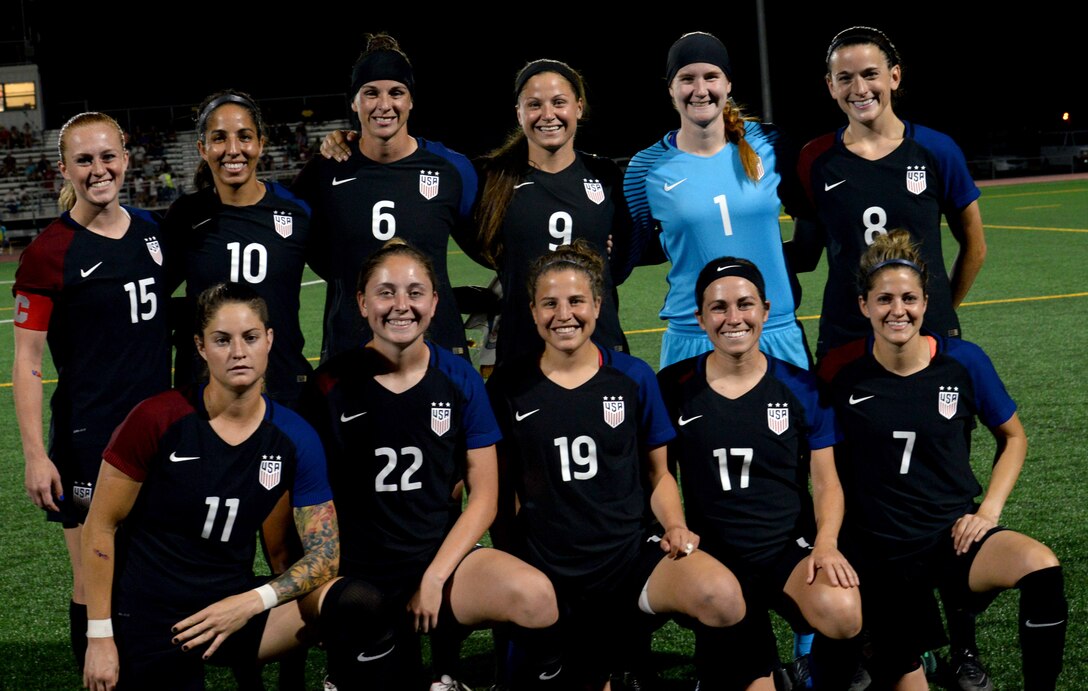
column 425, row 604
column 216, row 622
column 834, row 564
column 969, row 529
column 679, row 542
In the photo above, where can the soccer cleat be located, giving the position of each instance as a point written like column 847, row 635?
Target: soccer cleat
column 328, row 685
column 968, row 674
column 861, row 680
column 800, row 674
column 448, row 683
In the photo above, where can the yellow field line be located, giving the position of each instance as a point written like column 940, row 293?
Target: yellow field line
column 1035, row 194
column 1037, row 206
column 805, row 318
column 990, row 226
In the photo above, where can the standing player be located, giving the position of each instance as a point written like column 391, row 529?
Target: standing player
column 584, row 434
column 239, row 229
column 746, row 486
column 404, row 421
column 879, row 173
column 92, row 287
column 539, row 192
column 392, row 185
column 907, row 401
column 191, row 474
column 712, row 188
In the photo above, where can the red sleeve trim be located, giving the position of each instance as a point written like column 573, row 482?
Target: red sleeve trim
column 813, row 150
column 135, row 442
column 839, row 357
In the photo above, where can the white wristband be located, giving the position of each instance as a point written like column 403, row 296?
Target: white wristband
column 268, row 596
column 99, row 628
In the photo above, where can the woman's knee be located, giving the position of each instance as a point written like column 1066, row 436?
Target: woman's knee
column 835, row 612
column 531, row 600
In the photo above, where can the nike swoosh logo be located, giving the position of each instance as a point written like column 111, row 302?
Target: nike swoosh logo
column 363, row 657
column 336, row 182
column 519, row 417
column 87, row 272
column 728, row 266
column 523, row 184
column 201, row 223
column 669, row 188
column 1032, row 625
column 855, row 401
column 178, row 459
column 828, row 188
column 683, row 422
column 544, row 676
column 349, row 418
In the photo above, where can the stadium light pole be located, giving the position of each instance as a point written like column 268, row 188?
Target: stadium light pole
column 764, row 61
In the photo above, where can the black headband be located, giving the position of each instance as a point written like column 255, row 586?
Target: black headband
column 728, row 266
column 202, row 119
column 697, row 47
column 540, row 66
column 382, row 64
column 857, row 35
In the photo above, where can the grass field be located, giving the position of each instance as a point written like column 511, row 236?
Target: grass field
column 1028, row 309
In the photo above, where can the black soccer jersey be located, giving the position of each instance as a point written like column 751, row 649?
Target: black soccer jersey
column 264, row 246
column 190, row 537
column 585, row 200
column 857, row 199
column 103, row 302
column 360, row 204
column 744, row 463
column 394, row 458
column 578, row 460
column 905, row 461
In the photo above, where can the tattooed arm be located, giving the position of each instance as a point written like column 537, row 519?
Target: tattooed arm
column 321, row 540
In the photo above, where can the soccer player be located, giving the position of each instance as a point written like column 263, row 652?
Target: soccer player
column 92, row 287
column 907, row 400
column 404, row 421
column 584, row 434
column 714, row 188
column 750, row 431
column 188, row 478
column 878, row 173
column 391, row 185
column 539, row 192
column 239, row 229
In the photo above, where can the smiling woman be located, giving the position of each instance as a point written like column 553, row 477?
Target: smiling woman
column 713, row 188
column 237, row 228
column 390, row 184
column 92, row 287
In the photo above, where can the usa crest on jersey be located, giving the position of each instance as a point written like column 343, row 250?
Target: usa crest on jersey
column 759, row 168
column 916, row 179
column 778, row 417
column 154, row 249
column 428, row 184
column 440, row 418
column 948, row 400
column 269, row 476
column 613, row 411
column 284, row 223
column 594, row 190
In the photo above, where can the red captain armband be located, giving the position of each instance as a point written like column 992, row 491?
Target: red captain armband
column 32, row 311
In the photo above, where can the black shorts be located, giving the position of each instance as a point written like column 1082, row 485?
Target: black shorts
column 78, row 468
column 751, row 643
column 899, row 605
column 594, row 624
column 148, row 659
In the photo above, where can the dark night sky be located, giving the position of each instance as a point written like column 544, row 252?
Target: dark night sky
column 997, row 79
